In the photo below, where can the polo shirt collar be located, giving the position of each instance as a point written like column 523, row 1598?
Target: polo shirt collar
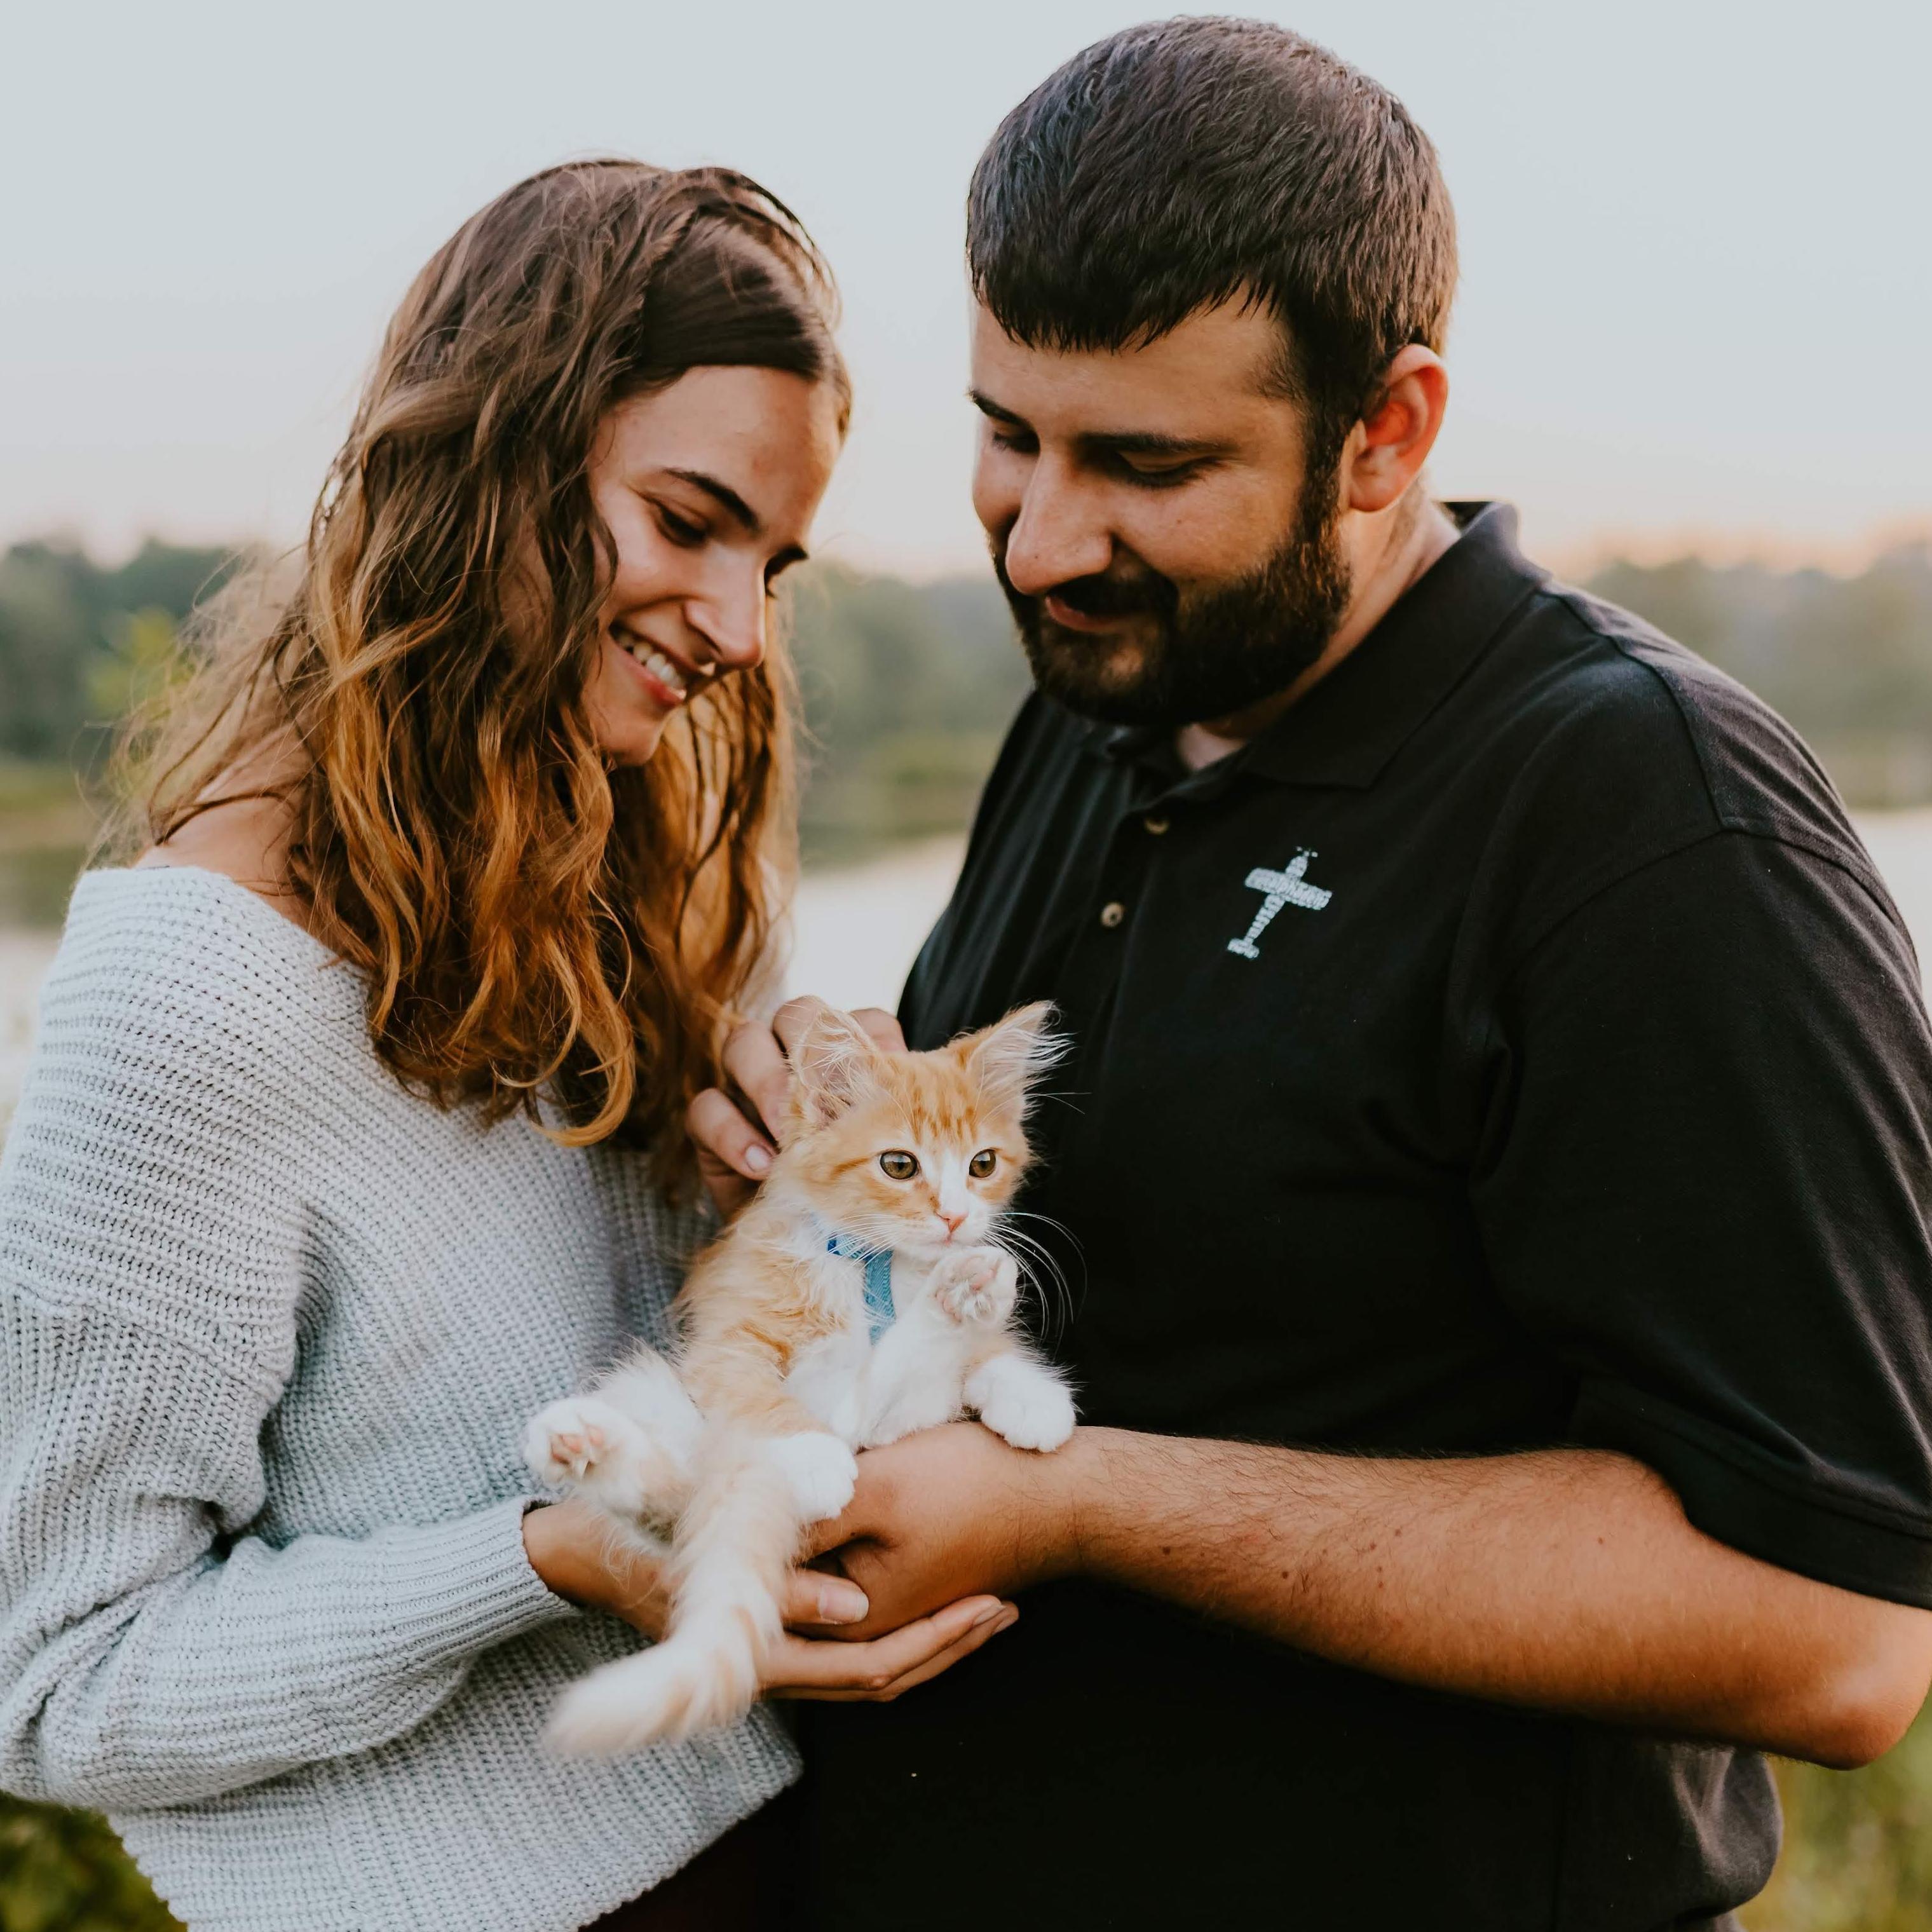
column 1345, row 731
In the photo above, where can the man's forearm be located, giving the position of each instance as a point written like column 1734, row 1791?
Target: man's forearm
column 1564, row 1579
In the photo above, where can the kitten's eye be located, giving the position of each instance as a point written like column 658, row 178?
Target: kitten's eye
column 982, row 1163
column 901, row 1166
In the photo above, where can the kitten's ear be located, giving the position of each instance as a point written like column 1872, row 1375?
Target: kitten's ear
column 1007, row 1056
column 831, row 1067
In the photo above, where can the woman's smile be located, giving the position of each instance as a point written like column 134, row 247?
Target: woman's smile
column 668, row 682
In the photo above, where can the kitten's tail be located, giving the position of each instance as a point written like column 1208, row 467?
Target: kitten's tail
column 735, row 1543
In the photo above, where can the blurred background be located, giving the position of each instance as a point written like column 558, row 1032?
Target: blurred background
column 1695, row 286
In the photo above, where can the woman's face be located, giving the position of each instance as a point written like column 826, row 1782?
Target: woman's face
column 709, row 488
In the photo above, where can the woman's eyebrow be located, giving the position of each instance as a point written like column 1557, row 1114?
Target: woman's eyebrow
column 727, row 499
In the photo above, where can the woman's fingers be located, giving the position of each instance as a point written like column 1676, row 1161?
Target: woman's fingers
column 879, row 1689
column 734, row 1147
column 882, row 1027
column 942, row 1660
column 754, row 1058
column 790, row 1022
column 570, row 1545
column 880, row 1670
column 727, row 1143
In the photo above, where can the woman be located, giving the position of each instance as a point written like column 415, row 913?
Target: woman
column 344, row 1145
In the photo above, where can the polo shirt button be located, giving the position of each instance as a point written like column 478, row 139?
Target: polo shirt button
column 1156, row 824
column 1112, row 913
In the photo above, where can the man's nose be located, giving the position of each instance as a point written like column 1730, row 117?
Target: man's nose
column 1057, row 536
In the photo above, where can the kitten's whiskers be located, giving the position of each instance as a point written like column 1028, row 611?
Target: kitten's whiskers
column 1039, row 1267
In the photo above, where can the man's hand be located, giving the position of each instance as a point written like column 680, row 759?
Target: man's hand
column 735, row 1128
column 948, row 1513
column 1565, row 1579
column 570, row 1545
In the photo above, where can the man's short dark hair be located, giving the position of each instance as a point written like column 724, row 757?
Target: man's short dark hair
column 1179, row 164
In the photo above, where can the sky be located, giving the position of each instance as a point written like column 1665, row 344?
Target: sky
column 1696, row 274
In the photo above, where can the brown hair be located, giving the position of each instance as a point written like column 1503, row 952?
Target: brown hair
column 1187, row 162
column 531, row 925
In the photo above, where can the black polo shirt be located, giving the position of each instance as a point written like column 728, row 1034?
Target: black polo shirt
column 1514, row 1046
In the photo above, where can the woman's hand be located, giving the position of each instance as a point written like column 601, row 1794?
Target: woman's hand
column 572, row 1545
column 736, row 1133
column 833, row 1670
column 585, row 1559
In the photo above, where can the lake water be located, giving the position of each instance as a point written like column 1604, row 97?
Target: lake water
column 855, row 932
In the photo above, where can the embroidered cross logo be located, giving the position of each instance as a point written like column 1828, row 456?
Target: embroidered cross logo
column 1288, row 887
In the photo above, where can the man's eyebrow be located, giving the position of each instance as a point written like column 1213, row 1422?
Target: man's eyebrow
column 727, row 499
column 986, row 405
column 1115, row 442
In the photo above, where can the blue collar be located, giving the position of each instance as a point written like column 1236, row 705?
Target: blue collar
column 880, row 1312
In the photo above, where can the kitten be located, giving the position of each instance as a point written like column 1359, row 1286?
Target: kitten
column 863, row 1295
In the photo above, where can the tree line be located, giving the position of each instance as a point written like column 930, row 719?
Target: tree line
column 907, row 687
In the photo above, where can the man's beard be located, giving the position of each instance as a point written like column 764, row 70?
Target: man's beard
column 1213, row 652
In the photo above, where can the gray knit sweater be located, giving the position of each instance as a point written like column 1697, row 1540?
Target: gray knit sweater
column 270, row 1328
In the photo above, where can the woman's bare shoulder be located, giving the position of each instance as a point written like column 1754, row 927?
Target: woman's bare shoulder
column 244, row 839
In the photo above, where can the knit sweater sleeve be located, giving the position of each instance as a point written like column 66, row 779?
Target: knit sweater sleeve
column 153, row 1652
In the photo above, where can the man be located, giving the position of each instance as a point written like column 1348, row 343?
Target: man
column 1495, row 1158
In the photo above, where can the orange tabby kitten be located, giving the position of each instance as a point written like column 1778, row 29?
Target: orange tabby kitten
column 863, row 1295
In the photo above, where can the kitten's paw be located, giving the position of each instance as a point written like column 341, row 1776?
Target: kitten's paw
column 921, row 1406
column 977, row 1285
column 583, row 1444
column 567, row 1441
column 1017, row 1398
column 823, row 1472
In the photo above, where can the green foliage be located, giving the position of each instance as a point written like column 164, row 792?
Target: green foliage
column 144, row 658
column 66, row 623
column 28, row 789
column 1847, row 660
column 907, row 690
column 65, row 1871
column 44, row 652
column 1858, row 1849
column 45, row 825
column 907, row 687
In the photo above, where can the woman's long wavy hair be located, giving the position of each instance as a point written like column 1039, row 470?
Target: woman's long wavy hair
column 538, row 931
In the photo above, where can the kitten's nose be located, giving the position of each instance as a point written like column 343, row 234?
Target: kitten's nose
column 952, row 1221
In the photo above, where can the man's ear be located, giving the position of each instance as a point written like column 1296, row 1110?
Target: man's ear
column 1005, row 1058
column 832, row 1066
column 1388, row 447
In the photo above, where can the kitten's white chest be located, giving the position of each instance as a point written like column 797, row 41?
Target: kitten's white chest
column 869, row 1392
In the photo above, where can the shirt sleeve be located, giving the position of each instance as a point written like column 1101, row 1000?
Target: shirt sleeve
column 1704, row 1185
column 153, row 1651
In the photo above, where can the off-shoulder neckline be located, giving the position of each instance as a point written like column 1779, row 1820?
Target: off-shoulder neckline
column 221, row 885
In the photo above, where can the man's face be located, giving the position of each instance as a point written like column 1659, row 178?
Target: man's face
column 1169, row 559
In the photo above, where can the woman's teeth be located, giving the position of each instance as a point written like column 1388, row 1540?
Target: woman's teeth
column 661, row 667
